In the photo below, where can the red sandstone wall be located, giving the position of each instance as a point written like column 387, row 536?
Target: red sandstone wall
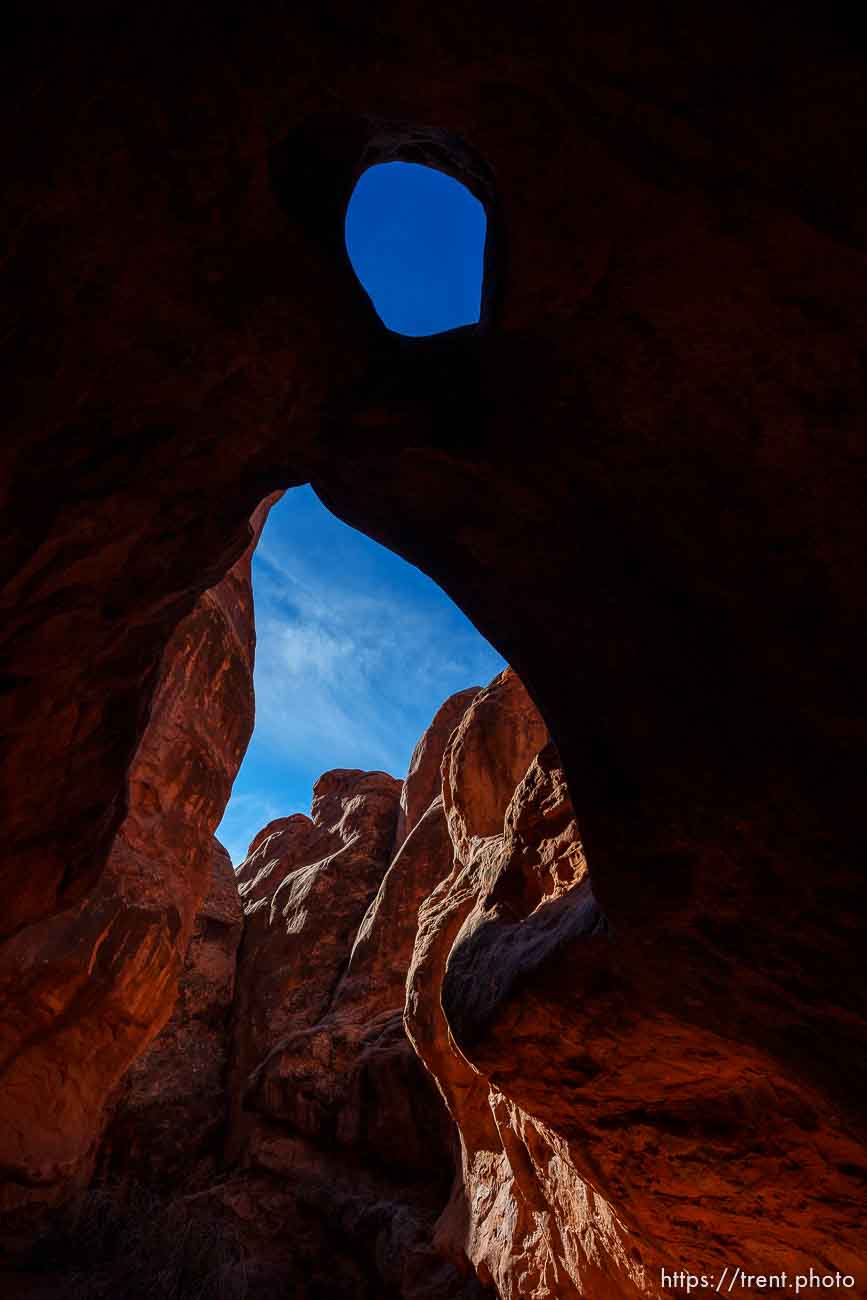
column 84, row 992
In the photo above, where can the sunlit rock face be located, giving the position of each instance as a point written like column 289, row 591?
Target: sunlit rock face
column 605, row 1128
column 346, row 1147
column 423, row 781
column 167, row 1120
column 518, row 890
column 86, row 991
column 433, row 1070
column 305, row 889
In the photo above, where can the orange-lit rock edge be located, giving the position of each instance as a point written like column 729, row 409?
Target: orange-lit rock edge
column 86, row 991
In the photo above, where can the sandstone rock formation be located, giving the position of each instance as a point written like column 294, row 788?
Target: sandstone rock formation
column 423, row 782
column 345, row 1147
column 168, row 1122
column 520, row 1210
column 86, row 991
column 305, row 889
column 604, row 1129
column 641, row 478
column 558, row 1139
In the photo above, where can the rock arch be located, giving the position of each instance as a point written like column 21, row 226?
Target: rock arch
column 642, row 482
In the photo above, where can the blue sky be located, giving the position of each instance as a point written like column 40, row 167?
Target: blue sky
column 416, row 239
column 356, row 649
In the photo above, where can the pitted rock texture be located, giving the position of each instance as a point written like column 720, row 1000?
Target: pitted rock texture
column 86, row 991
column 168, row 1120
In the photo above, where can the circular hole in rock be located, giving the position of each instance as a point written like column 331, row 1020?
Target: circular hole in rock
column 416, row 241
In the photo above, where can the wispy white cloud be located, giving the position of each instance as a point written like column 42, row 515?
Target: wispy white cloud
column 354, row 655
column 339, row 671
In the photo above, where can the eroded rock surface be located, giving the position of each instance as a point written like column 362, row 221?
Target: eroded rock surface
column 423, row 782
column 168, row 1122
column 85, row 991
column 450, row 1077
column 305, row 889
column 346, row 1150
column 605, row 1128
